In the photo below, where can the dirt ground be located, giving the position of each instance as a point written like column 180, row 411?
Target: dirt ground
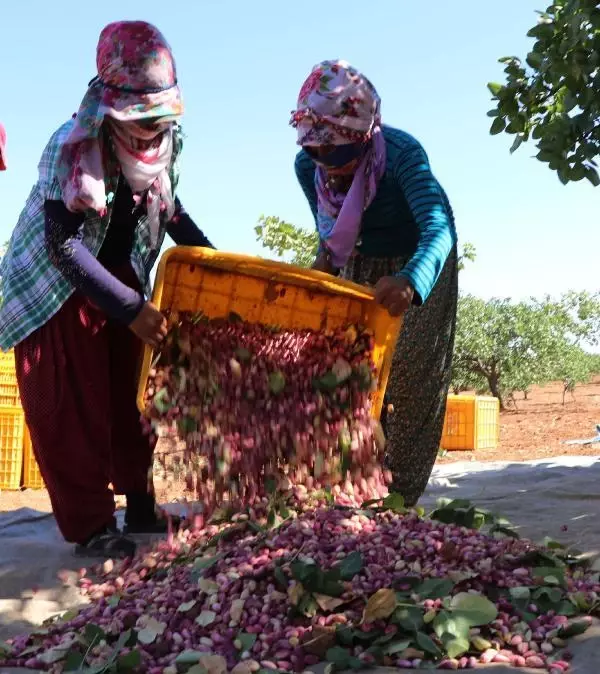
column 535, row 430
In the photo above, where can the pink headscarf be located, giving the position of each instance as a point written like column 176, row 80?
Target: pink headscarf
column 136, row 81
column 336, row 106
column 2, row 148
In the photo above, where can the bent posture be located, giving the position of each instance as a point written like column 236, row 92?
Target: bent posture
column 384, row 221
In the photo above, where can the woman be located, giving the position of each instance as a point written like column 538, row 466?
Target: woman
column 383, row 220
column 74, row 282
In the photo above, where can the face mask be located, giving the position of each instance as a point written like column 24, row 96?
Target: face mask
column 338, row 157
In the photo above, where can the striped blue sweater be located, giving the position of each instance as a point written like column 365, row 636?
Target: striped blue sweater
column 409, row 217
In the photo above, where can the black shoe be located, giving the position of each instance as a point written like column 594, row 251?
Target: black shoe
column 109, row 543
column 142, row 518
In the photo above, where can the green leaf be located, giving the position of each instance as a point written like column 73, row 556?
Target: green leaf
column 186, row 606
column 495, row 88
column 592, row 175
column 153, row 628
column 129, row 662
column 550, row 575
column 281, row 578
column 188, row 658
column 434, row 588
column 276, row 382
column 396, row 647
column 426, row 644
column 455, row 646
column 327, row 382
column 573, row 629
column 350, row 566
column 394, row 502
column 409, row 618
column 534, row 60
column 201, row 564
column 247, row 640
column 456, row 625
column 92, row 634
column 270, row 485
column 339, row 656
column 476, row 609
column 206, row 618
column 74, row 661
column 520, row 593
column 516, row 144
column 498, row 126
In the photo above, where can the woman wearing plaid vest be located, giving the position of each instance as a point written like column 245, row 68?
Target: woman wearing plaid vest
column 74, row 282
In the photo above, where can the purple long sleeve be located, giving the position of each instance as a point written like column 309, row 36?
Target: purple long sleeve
column 184, row 231
column 77, row 264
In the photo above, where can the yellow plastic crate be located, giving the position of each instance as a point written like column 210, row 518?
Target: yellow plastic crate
column 9, row 390
column 471, row 423
column 12, row 427
column 7, row 360
column 32, row 478
column 271, row 293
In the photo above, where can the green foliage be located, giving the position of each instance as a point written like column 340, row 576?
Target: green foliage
column 295, row 244
column 512, row 346
column 553, row 96
column 299, row 246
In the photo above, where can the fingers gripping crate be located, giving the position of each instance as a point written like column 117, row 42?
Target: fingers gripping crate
column 271, row 293
column 471, row 423
column 12, row 430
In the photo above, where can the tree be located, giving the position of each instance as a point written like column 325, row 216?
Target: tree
column 554, row 96
column 513, row 346
column 299, row 246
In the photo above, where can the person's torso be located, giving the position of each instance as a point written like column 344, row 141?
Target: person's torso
column 32, row 290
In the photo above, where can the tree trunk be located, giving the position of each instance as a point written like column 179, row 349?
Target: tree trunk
column 494, row 384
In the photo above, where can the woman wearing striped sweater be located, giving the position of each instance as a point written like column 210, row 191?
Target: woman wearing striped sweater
column 385, row 221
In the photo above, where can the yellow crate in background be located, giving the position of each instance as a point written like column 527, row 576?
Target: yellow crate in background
column 32, row 478
column 271, row 293
column 9, row 389
column 7, row 360
column 12, row 430
column 471, row 423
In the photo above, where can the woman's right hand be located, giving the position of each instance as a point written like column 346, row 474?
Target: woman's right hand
column 149, row 325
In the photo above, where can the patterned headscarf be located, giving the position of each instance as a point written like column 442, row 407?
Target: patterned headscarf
column 2, row 148
column 336, row 106
column 136, row 81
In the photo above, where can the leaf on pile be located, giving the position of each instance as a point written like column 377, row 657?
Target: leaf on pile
column 573, row 629
column 380, row 606
column 246, row 640
column 295, row 593
column 475, row 608
column 208, row 586
column 206, row 618
column 426, row 643
column 351, row 566
column 151, row 630
column 319, row 640
column 327, row 603
column 434, row 588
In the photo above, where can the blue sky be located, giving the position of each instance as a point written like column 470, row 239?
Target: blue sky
column 240, row 67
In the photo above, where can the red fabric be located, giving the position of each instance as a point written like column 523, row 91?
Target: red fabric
column 78, row 380
column 2, row 148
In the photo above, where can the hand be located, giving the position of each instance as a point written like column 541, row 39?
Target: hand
column 395, row 294
column 323, row 263
column 149, row 325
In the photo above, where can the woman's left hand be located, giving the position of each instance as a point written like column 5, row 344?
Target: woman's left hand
column 395, row 294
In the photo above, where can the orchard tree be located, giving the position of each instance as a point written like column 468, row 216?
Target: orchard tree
column 299, row 246
column 289, row 242
column 553, row 95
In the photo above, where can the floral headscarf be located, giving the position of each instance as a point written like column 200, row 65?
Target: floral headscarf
column 136, row 81
column 2, row 148
column 336, row 106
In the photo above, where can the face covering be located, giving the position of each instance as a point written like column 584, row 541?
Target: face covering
column 338, row 157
